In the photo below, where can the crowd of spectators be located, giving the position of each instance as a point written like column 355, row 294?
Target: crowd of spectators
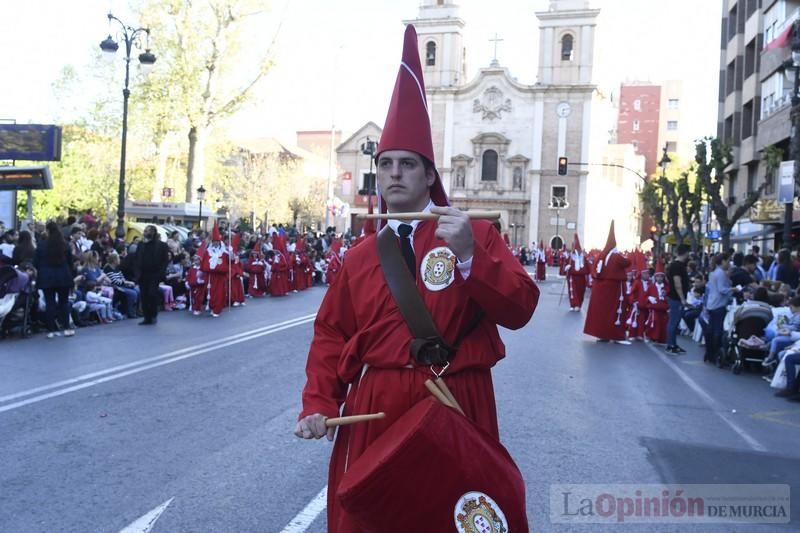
column 75, row 273
column 721, row 289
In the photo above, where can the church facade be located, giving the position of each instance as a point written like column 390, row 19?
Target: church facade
column 497, row 142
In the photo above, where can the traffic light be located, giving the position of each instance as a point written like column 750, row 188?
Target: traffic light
column 562, row 166
column 653, row 230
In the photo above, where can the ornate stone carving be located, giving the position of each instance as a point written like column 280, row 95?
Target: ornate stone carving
column 491, row 104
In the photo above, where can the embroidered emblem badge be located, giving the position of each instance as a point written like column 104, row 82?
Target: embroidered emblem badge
column 475, row 512
column 437, row 268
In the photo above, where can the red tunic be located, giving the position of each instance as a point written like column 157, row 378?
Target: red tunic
column 279, row 276
column 541, row 270
column 334, row 265
column 576, row 282
column 301, row 280
column 292, row 272
column 196, row 280
column 237, row 284
column 657, row 317
column 257, row 285
column 359, row 331
column 217, row 278
column 637, row 316
column 604, row 318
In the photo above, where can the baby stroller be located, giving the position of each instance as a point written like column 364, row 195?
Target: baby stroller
column 15, row 307
column 748, row 321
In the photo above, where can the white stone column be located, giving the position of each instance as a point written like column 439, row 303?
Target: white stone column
column 583, row 176
column 536, row 170
column 547, row 56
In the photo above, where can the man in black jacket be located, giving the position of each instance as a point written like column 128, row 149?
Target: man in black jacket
column 151, row 267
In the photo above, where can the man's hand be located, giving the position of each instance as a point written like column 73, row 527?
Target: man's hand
column 313, row 427
column 455, row 229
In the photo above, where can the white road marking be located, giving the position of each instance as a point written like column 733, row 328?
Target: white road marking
column 146, row 364
column 716, row 407
column 310, row 512
column 146, row 522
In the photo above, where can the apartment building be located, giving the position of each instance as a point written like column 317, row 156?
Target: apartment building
column 754, row 101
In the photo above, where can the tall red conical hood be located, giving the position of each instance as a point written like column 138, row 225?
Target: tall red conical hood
column 541, row 244
column 215, row 236
column 408, row 125
column 660, row 266
column 235, row 240
column 256, row 248
column 611, row 241
column 576, row 244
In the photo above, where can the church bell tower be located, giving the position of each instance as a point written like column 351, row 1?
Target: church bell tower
column 566, row 42
column 441, row 43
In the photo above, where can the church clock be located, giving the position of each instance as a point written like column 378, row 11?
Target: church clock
column 563, row 110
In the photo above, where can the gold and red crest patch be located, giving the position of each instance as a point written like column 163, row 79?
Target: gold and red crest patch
column 475, row 512
column 437, row 268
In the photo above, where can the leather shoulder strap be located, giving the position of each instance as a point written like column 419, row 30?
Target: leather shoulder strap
column 402, row 287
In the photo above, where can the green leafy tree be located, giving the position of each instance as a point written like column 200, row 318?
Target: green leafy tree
column 713, row 157
column 202, row 47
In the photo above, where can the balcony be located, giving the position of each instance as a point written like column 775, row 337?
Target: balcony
column 776, row 126
column 780, row 28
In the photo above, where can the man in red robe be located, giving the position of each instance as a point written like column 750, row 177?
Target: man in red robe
column 359, row 361
column 279, row 268
column 576, row 270
column 604, row 318
column 657, row 319
column 637, row 316
column 256, row 267
column 334, row 260
column 216, row 264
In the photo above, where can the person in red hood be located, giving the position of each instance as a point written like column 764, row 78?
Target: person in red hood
column 216, row 262
column 605, row 317
column 576, row 270
column 360, row 360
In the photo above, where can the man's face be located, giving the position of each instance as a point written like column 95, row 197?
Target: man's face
column 750, row 267
column 403, row 181
column 149, row 233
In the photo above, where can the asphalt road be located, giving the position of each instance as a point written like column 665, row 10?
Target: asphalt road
column 192, row 419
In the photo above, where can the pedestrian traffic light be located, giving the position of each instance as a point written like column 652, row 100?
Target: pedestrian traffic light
column 562, row 166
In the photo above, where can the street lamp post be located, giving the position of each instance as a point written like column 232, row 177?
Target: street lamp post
column 557, row 203
column 794, row 64
column 665, row 160
column 369, row 148
column 201, row 195
column 131, row 36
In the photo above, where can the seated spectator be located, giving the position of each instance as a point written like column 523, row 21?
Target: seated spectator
column 7, row 244
column 695, row 301
column 122, row 285
column 98, row 303
column 791, row 362
column 787, row 334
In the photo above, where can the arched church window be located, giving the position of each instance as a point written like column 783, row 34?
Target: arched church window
column 489, row 167
column 430, row 54
column 566, row 47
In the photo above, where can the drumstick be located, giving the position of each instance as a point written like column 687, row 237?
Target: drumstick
column 438, row 394
column 489, row 215
column 446, row 391
column 354, row 419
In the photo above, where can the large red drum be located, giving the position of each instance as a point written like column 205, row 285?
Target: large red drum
column 435, row 471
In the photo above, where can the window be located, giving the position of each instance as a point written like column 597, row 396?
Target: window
column 672, row 147
column 558, row 195
column 430, row 54
column 566, row 48
column 489, row 167
column 752, row 176
column 673, row 103
column 672, row 125
column 637, row 105
column 635, row 125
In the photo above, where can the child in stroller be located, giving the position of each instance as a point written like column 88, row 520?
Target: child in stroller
column 17, row 298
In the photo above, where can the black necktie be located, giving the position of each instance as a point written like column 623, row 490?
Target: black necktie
column 404, row 230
